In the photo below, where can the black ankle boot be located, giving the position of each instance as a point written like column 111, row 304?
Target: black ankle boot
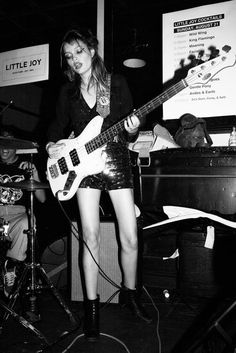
column 91, row 320
column 129, row 298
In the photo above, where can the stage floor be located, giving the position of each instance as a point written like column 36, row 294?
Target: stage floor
column 179, row 325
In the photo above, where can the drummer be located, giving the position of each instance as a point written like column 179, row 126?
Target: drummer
column 14, row 207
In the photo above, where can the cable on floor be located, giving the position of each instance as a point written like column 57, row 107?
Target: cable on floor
column 101, row 334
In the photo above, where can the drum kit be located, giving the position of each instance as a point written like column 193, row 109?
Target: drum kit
column 33, row 275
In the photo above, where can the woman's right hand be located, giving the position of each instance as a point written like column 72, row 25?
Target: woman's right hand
column 54, row 149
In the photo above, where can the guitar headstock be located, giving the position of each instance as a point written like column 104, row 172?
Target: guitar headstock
column 204, row 72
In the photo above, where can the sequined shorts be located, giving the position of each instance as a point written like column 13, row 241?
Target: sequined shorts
column 117, row 173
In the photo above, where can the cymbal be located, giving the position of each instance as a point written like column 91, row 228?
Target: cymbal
column 29, row 185
column 13, row 143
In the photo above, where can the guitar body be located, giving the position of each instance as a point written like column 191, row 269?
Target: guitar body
column 75, row 163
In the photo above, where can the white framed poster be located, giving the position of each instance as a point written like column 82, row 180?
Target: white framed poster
column 191, row 37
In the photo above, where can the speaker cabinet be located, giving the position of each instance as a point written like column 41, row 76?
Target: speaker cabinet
column 108, row 261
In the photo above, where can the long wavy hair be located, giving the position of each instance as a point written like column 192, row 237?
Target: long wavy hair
column 98, row 72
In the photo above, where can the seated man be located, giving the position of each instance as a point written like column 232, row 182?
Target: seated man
column 13, row 207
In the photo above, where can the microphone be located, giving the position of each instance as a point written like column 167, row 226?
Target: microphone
column 7, row 106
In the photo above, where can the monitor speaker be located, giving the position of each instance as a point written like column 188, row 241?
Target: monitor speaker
column 108, row 261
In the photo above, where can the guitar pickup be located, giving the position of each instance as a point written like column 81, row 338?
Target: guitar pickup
column 62, row 165
column 70, row 179
column 74, row 157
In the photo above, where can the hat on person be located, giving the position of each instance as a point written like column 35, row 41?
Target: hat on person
column 188, row 121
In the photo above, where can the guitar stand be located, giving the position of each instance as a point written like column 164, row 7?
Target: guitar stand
column 34, row 286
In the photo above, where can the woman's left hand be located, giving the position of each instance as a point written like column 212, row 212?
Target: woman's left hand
column 132, row 124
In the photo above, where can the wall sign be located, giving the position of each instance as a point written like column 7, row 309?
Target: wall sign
column 24, row 65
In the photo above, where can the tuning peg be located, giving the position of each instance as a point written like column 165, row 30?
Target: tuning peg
column 226, row 48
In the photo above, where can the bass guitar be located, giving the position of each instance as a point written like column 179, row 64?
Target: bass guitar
column 82, row 156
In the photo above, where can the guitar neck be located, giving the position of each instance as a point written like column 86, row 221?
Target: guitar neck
column 115, row 129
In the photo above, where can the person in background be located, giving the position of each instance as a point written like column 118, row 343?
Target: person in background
column 13, row 207
column 90, row 91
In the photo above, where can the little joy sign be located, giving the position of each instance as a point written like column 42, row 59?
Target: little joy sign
column 24, row 65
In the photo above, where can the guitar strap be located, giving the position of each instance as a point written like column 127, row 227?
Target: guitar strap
column 103, row 100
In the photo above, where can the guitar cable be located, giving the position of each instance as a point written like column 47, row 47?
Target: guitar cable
column 78, row 236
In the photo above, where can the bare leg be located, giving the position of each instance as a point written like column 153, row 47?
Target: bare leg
column 125, row 213
column 88, row 201
column 123, row 203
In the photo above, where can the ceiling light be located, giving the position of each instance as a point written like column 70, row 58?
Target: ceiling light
column 134, row 63
column 135, row 54
column 134, row 58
